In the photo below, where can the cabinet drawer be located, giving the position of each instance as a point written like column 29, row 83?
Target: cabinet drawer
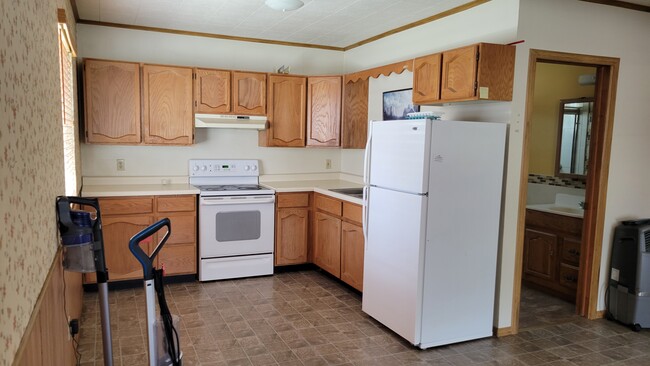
column 568, row 276
column 176, row 203
column 352, row 212
column 327, row 204
column 555, row 222
column 299, row 199
column 571, row 251
column 126, row 206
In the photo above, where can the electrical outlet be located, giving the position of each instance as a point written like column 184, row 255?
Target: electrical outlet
column 328, row 163
column 121, row 165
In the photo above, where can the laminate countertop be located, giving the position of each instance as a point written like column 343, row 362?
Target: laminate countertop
column 318, row 186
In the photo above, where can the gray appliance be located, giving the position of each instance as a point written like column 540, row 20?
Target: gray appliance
column 628, row 298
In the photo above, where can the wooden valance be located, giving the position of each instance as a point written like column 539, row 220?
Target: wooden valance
column 397, row 68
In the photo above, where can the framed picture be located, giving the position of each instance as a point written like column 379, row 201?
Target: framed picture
column 397, row 103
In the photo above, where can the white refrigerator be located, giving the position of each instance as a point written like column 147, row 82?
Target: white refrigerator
column 432, row 203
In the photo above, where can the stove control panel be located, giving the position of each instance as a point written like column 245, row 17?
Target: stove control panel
column 224, row 168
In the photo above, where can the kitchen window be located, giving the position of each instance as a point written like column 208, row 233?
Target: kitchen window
column 67, row 67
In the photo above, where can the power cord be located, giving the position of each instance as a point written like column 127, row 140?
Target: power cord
column 75, row 342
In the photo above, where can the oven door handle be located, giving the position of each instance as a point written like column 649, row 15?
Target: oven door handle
column 214, row 201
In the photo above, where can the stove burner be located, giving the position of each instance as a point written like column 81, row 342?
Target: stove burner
column 231, row 187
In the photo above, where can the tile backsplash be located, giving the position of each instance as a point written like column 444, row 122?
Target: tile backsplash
column 557, row 181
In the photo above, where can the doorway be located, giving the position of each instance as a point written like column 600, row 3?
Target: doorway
column 586, row 283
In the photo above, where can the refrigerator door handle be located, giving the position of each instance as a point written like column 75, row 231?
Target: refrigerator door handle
column 364, row 216
column 366, row 158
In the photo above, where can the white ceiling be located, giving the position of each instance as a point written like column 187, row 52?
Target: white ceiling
column 337, row 23
column 334, row 23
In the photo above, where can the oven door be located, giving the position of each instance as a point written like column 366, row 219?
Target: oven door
column 236, row 225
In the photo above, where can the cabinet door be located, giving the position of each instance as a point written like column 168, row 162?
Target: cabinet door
column 168, row 117
column 291, row 236
column 539, row 254
column 178, row 256
column 117, row 231
column 426, row 79
column 287, row 110
column 324, row 111
column 327, row 243
column 354, row 129
column 249, row 93
column 212, row 91
column 459, row 73
column 112, row 102
column 352, row 248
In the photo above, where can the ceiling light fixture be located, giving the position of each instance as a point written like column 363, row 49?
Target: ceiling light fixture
column 284, row 5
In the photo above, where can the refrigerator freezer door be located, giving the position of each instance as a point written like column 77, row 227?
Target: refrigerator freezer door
column 399, row 155
column 463, row 231
column 393, row 262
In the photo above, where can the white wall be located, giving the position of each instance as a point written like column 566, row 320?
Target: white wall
column 587, row 28
column 494, row 21
column 162, row 48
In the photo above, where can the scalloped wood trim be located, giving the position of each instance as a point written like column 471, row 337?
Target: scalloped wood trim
column 397, row 68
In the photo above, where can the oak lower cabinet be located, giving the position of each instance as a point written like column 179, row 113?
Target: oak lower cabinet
column 167, row 107
column 111, row 102
column 338, row 239
column 123, row 217
column 552, row 253
column 327, row 243
column 324, row 111
column 292, row 222
column 287, row 98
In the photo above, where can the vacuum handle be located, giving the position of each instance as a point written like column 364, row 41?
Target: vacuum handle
column 134, row 245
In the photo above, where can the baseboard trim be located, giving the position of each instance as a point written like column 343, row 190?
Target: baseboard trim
column 502, row 332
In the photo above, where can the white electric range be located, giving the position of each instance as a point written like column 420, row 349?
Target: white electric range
column 236, row 219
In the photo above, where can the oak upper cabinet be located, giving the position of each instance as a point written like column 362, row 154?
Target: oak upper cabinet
column 324, row 111
column 112, row 102
column 212, row 91
column 292, row 228
column 354, row 128
column 426, row 79
column 167, row 105
column 249, row 93
column 286, row 111
column 482, row 71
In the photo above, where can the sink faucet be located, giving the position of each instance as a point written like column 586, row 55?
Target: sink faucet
column 581, row 204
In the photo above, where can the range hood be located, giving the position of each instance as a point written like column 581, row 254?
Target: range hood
column 229, row 121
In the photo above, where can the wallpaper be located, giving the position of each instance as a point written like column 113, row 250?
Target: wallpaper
column 31, row 158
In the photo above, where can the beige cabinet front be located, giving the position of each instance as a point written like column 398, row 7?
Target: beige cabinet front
column 286, row 112
column 249, row 93
column 212, row 91
column 327, row 243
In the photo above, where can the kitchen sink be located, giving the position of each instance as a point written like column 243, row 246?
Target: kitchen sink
column 353, row 192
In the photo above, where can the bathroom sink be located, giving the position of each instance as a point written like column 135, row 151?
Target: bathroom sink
column 353, row 192
column 570, row 210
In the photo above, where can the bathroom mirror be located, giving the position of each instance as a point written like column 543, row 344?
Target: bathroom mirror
column 574, row 132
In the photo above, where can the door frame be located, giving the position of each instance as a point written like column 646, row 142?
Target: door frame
column 597, row 177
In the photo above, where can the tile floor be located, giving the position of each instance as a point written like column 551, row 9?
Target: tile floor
column 307, row 318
